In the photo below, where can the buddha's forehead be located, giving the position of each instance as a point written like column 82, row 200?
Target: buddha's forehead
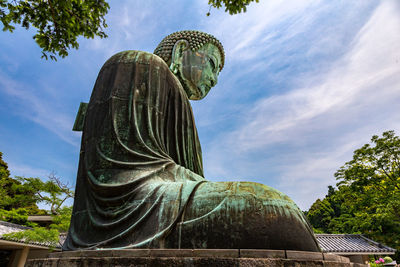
column 211, row 49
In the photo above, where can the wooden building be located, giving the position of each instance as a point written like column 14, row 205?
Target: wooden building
column 14, row 253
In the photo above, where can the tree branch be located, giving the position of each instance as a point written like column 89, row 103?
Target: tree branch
column 53, row 15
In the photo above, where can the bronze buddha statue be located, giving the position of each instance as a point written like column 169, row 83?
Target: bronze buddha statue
column 140, row 181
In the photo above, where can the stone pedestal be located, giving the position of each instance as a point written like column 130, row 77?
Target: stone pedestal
column 192, row 257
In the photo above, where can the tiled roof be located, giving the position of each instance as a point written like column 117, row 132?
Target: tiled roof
column 346, row 243
column 7, row 227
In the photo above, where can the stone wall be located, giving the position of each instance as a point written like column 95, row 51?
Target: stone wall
column 192, row 257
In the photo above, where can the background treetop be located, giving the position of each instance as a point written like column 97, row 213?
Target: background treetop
column 367, row 198
column 58, row 23
column 20, row 197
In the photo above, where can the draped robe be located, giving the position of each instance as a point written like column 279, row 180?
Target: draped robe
column 140, row 156
column 140, row 178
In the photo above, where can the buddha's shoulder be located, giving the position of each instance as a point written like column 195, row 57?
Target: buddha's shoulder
column 134, row 56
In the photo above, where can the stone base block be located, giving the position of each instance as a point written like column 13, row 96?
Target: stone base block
column 192, row 257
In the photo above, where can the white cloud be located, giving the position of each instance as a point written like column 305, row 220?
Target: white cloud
column 368, row 76
column 307, row 175
column 39, row 110
column 140, row 25
column 247, row 35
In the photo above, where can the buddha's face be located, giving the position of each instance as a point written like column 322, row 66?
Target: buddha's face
column 199, row 70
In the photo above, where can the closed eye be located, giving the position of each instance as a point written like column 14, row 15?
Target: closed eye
column 212, row 63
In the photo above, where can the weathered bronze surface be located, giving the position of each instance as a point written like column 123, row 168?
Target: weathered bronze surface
column 140, row 180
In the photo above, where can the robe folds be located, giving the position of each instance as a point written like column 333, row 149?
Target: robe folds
column 140, row 178
column 140, row 157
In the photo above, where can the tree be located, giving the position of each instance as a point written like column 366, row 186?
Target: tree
column 367, row 198
column 373, row 177
column 320, row 214
column 58, row 23
column 53, row 192
column 16, row 201
column 21, row 195
column 19, row 199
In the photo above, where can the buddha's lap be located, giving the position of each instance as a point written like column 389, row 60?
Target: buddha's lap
column 238, row 197
column 243, row 215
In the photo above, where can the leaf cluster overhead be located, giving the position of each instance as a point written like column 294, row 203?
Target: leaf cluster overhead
column 58, row 23
column 231, row 6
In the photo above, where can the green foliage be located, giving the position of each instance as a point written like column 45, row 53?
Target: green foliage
column 62, row 220
column 320, row 214
column 26, row 193
column 232, row 7
column 380, row 262
column 50, row 235
column 38, row 234
column 318, row 231
column 388, row 259
column 14, row 195
column 19, row 198
column 52, row 192
column 58, row 23
column 367, row 198
column 18, row 216
column 44, row 235
column 373, row 264
column 4, row 172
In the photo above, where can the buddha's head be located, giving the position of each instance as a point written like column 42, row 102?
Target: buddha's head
column 196, row 58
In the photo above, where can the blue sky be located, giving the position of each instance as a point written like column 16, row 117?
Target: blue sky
column 305, row 83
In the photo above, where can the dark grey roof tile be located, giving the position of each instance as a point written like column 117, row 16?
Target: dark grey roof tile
column 350, row 243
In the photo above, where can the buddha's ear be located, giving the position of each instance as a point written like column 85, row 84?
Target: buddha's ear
column 177, row 55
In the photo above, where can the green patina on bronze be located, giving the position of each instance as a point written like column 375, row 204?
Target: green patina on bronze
column 140, row 179
column 195, row 40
